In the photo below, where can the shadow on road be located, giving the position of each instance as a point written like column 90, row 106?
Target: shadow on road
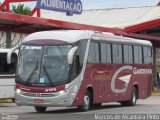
column 75, row 110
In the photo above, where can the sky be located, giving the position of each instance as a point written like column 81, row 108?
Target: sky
column 97, row 4
column 101, row 4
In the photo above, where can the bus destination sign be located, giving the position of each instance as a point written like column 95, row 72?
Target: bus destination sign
column 68, row 6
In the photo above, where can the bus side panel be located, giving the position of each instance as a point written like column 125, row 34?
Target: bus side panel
column 144, row 80
column 99, row 78
column 7, row 87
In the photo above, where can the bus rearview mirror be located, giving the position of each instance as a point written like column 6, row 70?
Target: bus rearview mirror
column 71, row 54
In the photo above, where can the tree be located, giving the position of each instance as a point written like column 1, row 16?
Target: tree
column 20, row 9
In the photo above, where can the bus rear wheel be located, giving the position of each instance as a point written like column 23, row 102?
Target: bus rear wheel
column 86, row 103
column 40, row 109
column 133, row 100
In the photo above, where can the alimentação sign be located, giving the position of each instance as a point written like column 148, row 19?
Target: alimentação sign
column 68, row 6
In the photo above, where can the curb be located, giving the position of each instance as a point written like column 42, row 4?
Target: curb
column 6, row 101
column 156, row 94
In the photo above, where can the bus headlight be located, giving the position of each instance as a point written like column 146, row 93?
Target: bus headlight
column 61, row 92
column 18, row 91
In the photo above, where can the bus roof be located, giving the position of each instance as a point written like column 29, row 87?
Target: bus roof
column 71, row 36
column 5, row 50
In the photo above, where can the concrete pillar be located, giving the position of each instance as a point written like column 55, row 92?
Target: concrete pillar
column 8, row 39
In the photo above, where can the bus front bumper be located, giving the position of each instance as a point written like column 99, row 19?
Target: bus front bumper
column 59, row 100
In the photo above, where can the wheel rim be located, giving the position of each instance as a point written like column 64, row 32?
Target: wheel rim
column 86, row 102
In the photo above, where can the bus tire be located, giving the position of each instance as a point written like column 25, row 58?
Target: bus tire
column 40, row 109
column 86, row 102
column 133, row 100
column 134, row 96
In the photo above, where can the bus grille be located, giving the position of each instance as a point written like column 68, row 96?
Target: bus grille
column 39, row 94
column 30, row 94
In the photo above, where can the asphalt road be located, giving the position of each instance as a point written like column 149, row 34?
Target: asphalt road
column 145, row 109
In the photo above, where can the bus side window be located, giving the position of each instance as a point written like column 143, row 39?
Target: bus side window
column 7, row 68
column 128, row 58
column 147, row 55
column 12, row 66
column 1, row 63
column 78, row 59
column 117, row 53
column 76, row 68
column 105, row 53
column 137, row 54
column 91, row 54
column 94, row 53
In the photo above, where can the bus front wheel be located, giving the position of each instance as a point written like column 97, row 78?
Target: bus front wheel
column 40, row 109
column 86, row 102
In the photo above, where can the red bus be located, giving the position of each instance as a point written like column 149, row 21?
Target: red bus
column 83, row 69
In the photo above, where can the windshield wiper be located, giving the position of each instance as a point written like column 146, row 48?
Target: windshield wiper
column 18, row 79
column 48, row 76
column 31, row 74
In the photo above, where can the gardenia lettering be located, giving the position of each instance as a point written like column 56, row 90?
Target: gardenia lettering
column 142, row 71
column 64, row 5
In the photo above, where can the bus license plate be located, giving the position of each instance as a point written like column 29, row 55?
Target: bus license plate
column 38, row 101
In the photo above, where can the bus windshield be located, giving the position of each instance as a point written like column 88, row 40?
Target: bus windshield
column 43, row 65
